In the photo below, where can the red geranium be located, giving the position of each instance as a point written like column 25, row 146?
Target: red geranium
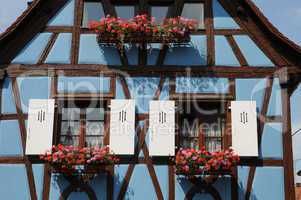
column 192, row 162
column 67, row 157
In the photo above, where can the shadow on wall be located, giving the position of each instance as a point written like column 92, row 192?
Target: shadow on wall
column 95, row 187
column 242, row 193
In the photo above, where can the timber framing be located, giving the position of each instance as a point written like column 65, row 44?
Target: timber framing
column 285, row 55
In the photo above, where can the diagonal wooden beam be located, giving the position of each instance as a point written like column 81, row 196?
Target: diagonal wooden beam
column 173, row 11
column 151, row 168
column 266, row 100
column 48, row 48
column 108, row 8
column 160, row 87
column 21, row 121
column 239, row 55
column 254, row 32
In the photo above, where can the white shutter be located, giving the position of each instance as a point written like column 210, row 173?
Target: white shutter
column 162, row 128
column 122, row 127
column 244, row 128
column 40, row 126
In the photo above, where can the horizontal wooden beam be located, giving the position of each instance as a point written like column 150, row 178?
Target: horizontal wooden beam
column 12, row 160
column 167, row 70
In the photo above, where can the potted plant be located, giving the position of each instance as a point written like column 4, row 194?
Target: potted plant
column 72, row 160
column 143, row 29
column 191, row 162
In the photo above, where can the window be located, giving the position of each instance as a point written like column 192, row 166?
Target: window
column 194, row 11
column 92, row 11
column 202, row 124
column 82, row 123
column 159, row 12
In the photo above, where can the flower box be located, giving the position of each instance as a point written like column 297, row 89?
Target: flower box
column 105, row 38
column 143, row 29
column 191, row 162
column 75, row 161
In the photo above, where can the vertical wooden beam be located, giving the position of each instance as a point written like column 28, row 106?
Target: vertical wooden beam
column 78, row 13
column 108, row 8
column 234, row 184
column 210, row 33
column 22, row 127
column 287, row 140
column 265, row 106
column 47, row 173
column 173, row 11
column 110, row 183
column 171, row 182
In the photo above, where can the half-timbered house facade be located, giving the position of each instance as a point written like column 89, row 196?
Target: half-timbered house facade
column 228, row 86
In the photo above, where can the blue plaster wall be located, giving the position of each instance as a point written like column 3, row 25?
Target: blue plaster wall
column 12, row 177
column 61, row 50
column 33, row 88
column 10, row 138
column 253, row 55
column 7, row 102
column 194, row 53
column 91, row 53
column 83, row 84
column 223, row 53
column 33, row 50
column 65, row 17
column 222, row 20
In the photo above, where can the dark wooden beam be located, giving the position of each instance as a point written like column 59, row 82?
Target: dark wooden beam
column 48, row 48
column 264, row 110
column 78, row 13
column 209, row 32
column 21, row 121
column 14, row 42
column 239, row 55
column 169, row 70
column 287, row 140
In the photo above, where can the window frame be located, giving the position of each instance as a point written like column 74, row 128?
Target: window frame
column 201, row 137
column 83, row 120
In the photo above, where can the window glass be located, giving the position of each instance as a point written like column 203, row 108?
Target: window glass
column 82, row 121
column 194, row 11
column 125, row 12
column 159, row 12
column 202, row 125
column 92, row 11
